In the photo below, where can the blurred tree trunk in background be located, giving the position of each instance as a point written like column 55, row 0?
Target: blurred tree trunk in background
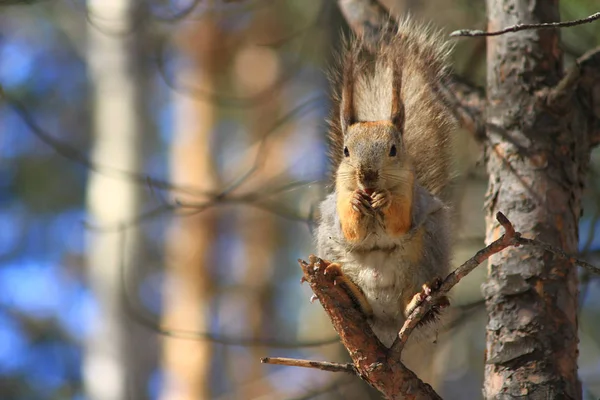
column 257, row 69
column 537, row 157
column 119, row 355
column 191, row 238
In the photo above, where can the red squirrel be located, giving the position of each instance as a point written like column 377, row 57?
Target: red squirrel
column 385, row 226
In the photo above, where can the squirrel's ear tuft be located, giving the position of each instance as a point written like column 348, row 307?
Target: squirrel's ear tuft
column 397, row 112
column 347, row 115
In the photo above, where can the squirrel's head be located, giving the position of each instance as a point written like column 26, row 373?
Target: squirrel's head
column 374, row 157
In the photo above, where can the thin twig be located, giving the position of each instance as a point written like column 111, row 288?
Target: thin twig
column 510, row 238
column 522, row 27
column 322, row 365
column 559, row 252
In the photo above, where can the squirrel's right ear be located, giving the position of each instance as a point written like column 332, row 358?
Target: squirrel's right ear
column 397, row 112
column 347, row 116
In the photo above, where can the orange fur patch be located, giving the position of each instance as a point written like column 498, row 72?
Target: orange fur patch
column 351, row 220
column 415, row 247
column 398, row 216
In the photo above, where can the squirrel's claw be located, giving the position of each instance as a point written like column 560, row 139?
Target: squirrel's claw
column 381, row 199
column 427, row 289
column 361, row 203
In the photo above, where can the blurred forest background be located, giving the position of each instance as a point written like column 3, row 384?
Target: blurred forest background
column 160, row 164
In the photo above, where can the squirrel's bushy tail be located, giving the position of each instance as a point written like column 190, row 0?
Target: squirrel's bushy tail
column 422, row 54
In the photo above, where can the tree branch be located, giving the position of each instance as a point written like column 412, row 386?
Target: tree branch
column 522, row 27
column 583, row 81
column 373, row 362
column 370, row 357
column 322, row 365
column 510, row 238
column 379, row 366
column 467, row 103
column 559, row 252
column 585, row 74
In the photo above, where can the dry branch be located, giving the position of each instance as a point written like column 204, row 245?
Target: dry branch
column 522, row 27
column 510, row 238
column 584, row 75
column 583, row 81
column 559, row 252
column 372, row 361
column 322, row 365
column 369, row 355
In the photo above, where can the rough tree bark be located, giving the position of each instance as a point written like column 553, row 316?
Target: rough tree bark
column 537, row 155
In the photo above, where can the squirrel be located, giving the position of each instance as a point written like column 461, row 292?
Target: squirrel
column 386, row 226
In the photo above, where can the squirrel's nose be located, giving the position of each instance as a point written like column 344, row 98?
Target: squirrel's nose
column 369, row 176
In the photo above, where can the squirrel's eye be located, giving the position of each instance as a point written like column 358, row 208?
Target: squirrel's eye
column 393, row 151
column 346, row 152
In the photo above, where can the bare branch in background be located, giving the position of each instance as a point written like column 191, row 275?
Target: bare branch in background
column 160, row 54
column 211, row 198
column 582, row 79
column 522, row 27
column 322, row 365
column 467, row 103
column 559, row 252
column 144, row 318
column 585, row 74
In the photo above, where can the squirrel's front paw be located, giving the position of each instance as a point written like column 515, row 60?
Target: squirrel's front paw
column 361, row 203
column 381, row 199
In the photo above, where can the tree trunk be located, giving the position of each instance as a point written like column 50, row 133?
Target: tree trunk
column 119, row 356
column 260, row 250
column 536, row 159
column 191, row 237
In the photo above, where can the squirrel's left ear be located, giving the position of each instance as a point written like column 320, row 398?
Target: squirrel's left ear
column 397, row 112
column 347, row 116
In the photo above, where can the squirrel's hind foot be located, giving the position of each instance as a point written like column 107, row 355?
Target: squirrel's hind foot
column 351, row 288
column 436, row 308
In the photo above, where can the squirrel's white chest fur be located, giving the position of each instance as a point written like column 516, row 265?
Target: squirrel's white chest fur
column 380, row 269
